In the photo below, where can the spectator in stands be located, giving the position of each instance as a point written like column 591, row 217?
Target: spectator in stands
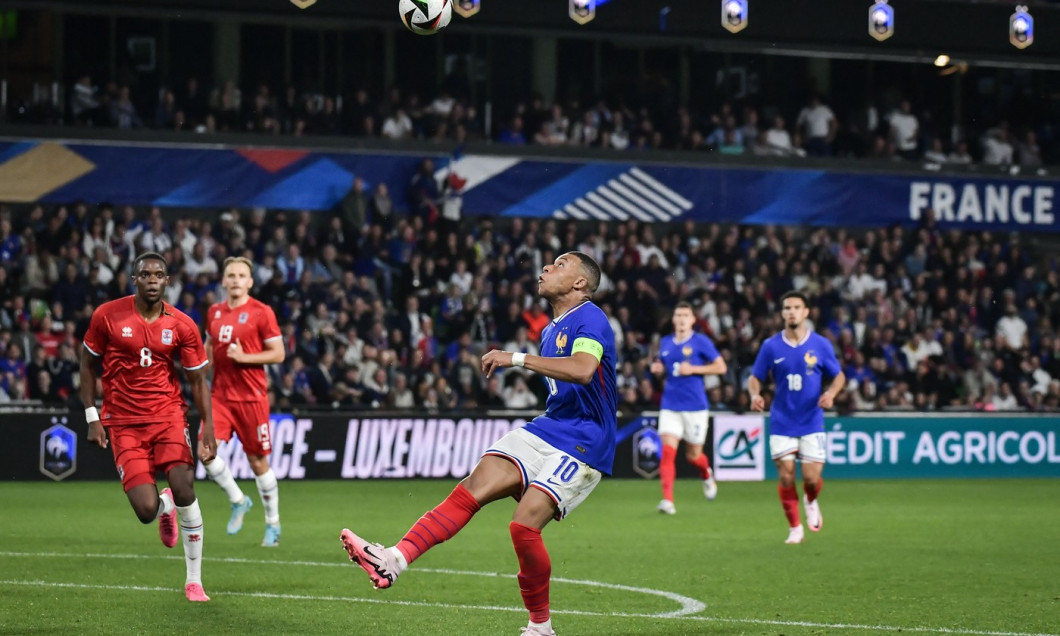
column 960, row 154
column 935, row 152
column 905, row 130
column 518, row 395
column 194, row 102
column 777, row 140
column 122, row 111
column 513, row 134
column 1028, row 151
column 85, row 106
column 1012, row 329
column 819, row 127
column 166, row 111
column 398, row 125
column 997, row 150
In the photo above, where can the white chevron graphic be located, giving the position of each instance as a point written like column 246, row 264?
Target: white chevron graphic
column 633, row 194
column 476, row 169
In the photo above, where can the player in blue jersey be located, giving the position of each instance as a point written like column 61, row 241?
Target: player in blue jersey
column 549, row 466
column 799, row 360
column 685, row 357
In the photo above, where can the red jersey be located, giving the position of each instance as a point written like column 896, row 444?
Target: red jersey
column 140, row 383
column 252, row 323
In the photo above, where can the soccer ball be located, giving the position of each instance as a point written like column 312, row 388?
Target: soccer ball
column 425, row 17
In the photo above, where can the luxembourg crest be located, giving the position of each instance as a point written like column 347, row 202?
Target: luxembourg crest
column 167, row 336
column 561, row 342
column 58, row 450
column 811, row 361
column 243, row 317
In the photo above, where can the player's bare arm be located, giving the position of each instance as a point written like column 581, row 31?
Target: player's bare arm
column 273, row 353
column 828, row 397
column 717, row 367
column 96, row 434
column 209, row 352
column 200, row 392
column 754, row 389
column 578, row 368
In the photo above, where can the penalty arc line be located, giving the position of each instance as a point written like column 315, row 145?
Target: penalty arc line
column 671, row 615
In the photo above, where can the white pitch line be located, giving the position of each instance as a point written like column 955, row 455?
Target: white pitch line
column 498, row 608
column 687, row 605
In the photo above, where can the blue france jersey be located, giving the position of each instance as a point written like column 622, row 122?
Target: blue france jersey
column 685, row 392
column 581, row 419
column 798, row 372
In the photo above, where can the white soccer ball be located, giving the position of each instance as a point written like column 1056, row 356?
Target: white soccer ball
column 425, row 17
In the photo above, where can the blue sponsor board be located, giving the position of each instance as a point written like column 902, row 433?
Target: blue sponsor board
column 579, row 189
column 931, row 445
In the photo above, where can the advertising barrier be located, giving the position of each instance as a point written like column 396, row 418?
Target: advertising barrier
column 53, row 446
column 571, row 188
column 939, row 446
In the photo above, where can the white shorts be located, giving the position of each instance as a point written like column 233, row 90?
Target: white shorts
column 567, row 482
column 690, row 426
column 809, row 448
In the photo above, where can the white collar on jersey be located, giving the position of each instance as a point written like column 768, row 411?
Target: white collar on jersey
column 784, row 337
column 680, row 342
column 570, row 311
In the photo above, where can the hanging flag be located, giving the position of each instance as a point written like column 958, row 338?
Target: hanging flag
column 734, row 15
column 1021, row 28
column 582, row 11
column 881, row 20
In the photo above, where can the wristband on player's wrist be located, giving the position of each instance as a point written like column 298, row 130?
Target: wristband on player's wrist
column 518, row 359
column 91, row 414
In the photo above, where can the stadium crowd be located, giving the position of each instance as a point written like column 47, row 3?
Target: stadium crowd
column 380, row 308
column 895, row 129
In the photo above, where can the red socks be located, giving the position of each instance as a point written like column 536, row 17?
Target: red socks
column 703, row 464
column 789, row 498
column 812, row 490
column 668, row 471
column 440, row 524
column 535, row 569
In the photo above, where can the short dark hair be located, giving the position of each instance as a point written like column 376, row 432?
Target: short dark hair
column 149, row 256
column 795, row 294
column 591, row 269
column 684, row 304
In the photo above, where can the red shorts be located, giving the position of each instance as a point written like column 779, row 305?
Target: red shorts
column 248, row 420
column 140, row 450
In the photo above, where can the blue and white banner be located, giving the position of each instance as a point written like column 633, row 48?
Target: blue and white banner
column 635, row 187
column 653, row 192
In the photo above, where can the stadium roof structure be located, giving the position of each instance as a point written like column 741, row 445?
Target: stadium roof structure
column 975, row 31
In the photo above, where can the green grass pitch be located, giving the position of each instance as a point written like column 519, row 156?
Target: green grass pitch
column 926, row 557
